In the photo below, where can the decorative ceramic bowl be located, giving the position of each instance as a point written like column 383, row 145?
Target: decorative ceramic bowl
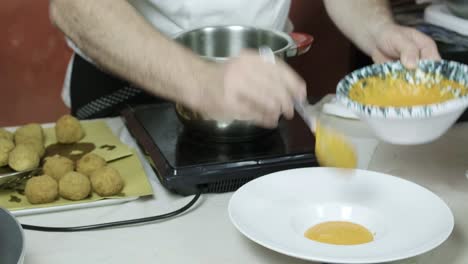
column 409, row 125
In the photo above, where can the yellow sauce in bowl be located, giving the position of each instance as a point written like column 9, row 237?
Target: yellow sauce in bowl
column 398, row 92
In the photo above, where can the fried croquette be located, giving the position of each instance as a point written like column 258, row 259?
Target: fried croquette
column 6, row 134
column 6, row 146
column 57, row 166
column 89, row 163
column 41, row 189
column 106, row 181
column 68, row 130
column 35, row 144
column 23, row 157
column 74, row 186
column 28, row 132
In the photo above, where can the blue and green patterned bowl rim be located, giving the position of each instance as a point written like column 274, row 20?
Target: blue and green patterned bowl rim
column 449, row 69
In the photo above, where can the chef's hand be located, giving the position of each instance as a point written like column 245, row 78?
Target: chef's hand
column 394, row 42
column 251, row 89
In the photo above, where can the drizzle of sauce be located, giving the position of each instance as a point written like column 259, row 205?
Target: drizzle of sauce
column 108, row 147
column 14, row 199
column 72, row 151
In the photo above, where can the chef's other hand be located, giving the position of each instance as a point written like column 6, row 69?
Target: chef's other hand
column 394, row 42
column 252, row 89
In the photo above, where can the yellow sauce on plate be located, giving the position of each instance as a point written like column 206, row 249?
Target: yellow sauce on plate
column 339, row 233
column 397, row 92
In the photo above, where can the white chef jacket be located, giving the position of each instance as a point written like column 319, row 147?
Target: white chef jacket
column 173, row 16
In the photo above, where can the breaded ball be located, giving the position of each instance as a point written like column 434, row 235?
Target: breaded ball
column 57, row 166
column 89, row 163
column 74, row 186
column 41, row 189
column 68, row 130
column 107, row 181
column 6, row 146
column 28, row 132
column 35, row 144
column 23, row 157
column 6, row 134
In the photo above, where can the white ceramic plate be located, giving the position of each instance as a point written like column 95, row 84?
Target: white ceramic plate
column 276, row 210
column 97, row 203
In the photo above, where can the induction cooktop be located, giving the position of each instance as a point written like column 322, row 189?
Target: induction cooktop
column 185, row 163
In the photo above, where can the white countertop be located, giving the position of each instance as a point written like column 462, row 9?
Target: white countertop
column 204, row 234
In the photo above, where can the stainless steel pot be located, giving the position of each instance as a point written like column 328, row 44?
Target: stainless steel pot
column 218, row 44
column 458, row 7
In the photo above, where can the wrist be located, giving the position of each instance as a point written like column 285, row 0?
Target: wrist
column 375, row 32
column 195, row 89
column 182, row 81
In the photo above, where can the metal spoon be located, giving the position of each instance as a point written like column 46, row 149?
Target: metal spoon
column 12, row 179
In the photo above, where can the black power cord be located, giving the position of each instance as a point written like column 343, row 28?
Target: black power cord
column 114, row 224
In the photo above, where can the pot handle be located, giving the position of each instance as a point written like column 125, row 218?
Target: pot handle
column 302, row 44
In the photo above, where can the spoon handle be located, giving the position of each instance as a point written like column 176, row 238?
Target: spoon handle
column 308, row 116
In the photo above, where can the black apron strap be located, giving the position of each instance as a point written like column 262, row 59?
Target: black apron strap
column 97, row 94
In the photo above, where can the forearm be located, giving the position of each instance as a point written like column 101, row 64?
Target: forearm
column 360, row 20
column 118, row 39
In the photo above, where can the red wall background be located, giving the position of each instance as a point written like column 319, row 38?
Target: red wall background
column 329, row 58
column 33, row 59
column 34, row 56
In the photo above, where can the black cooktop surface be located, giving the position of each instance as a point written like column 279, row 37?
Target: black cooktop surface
column 186, row 162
